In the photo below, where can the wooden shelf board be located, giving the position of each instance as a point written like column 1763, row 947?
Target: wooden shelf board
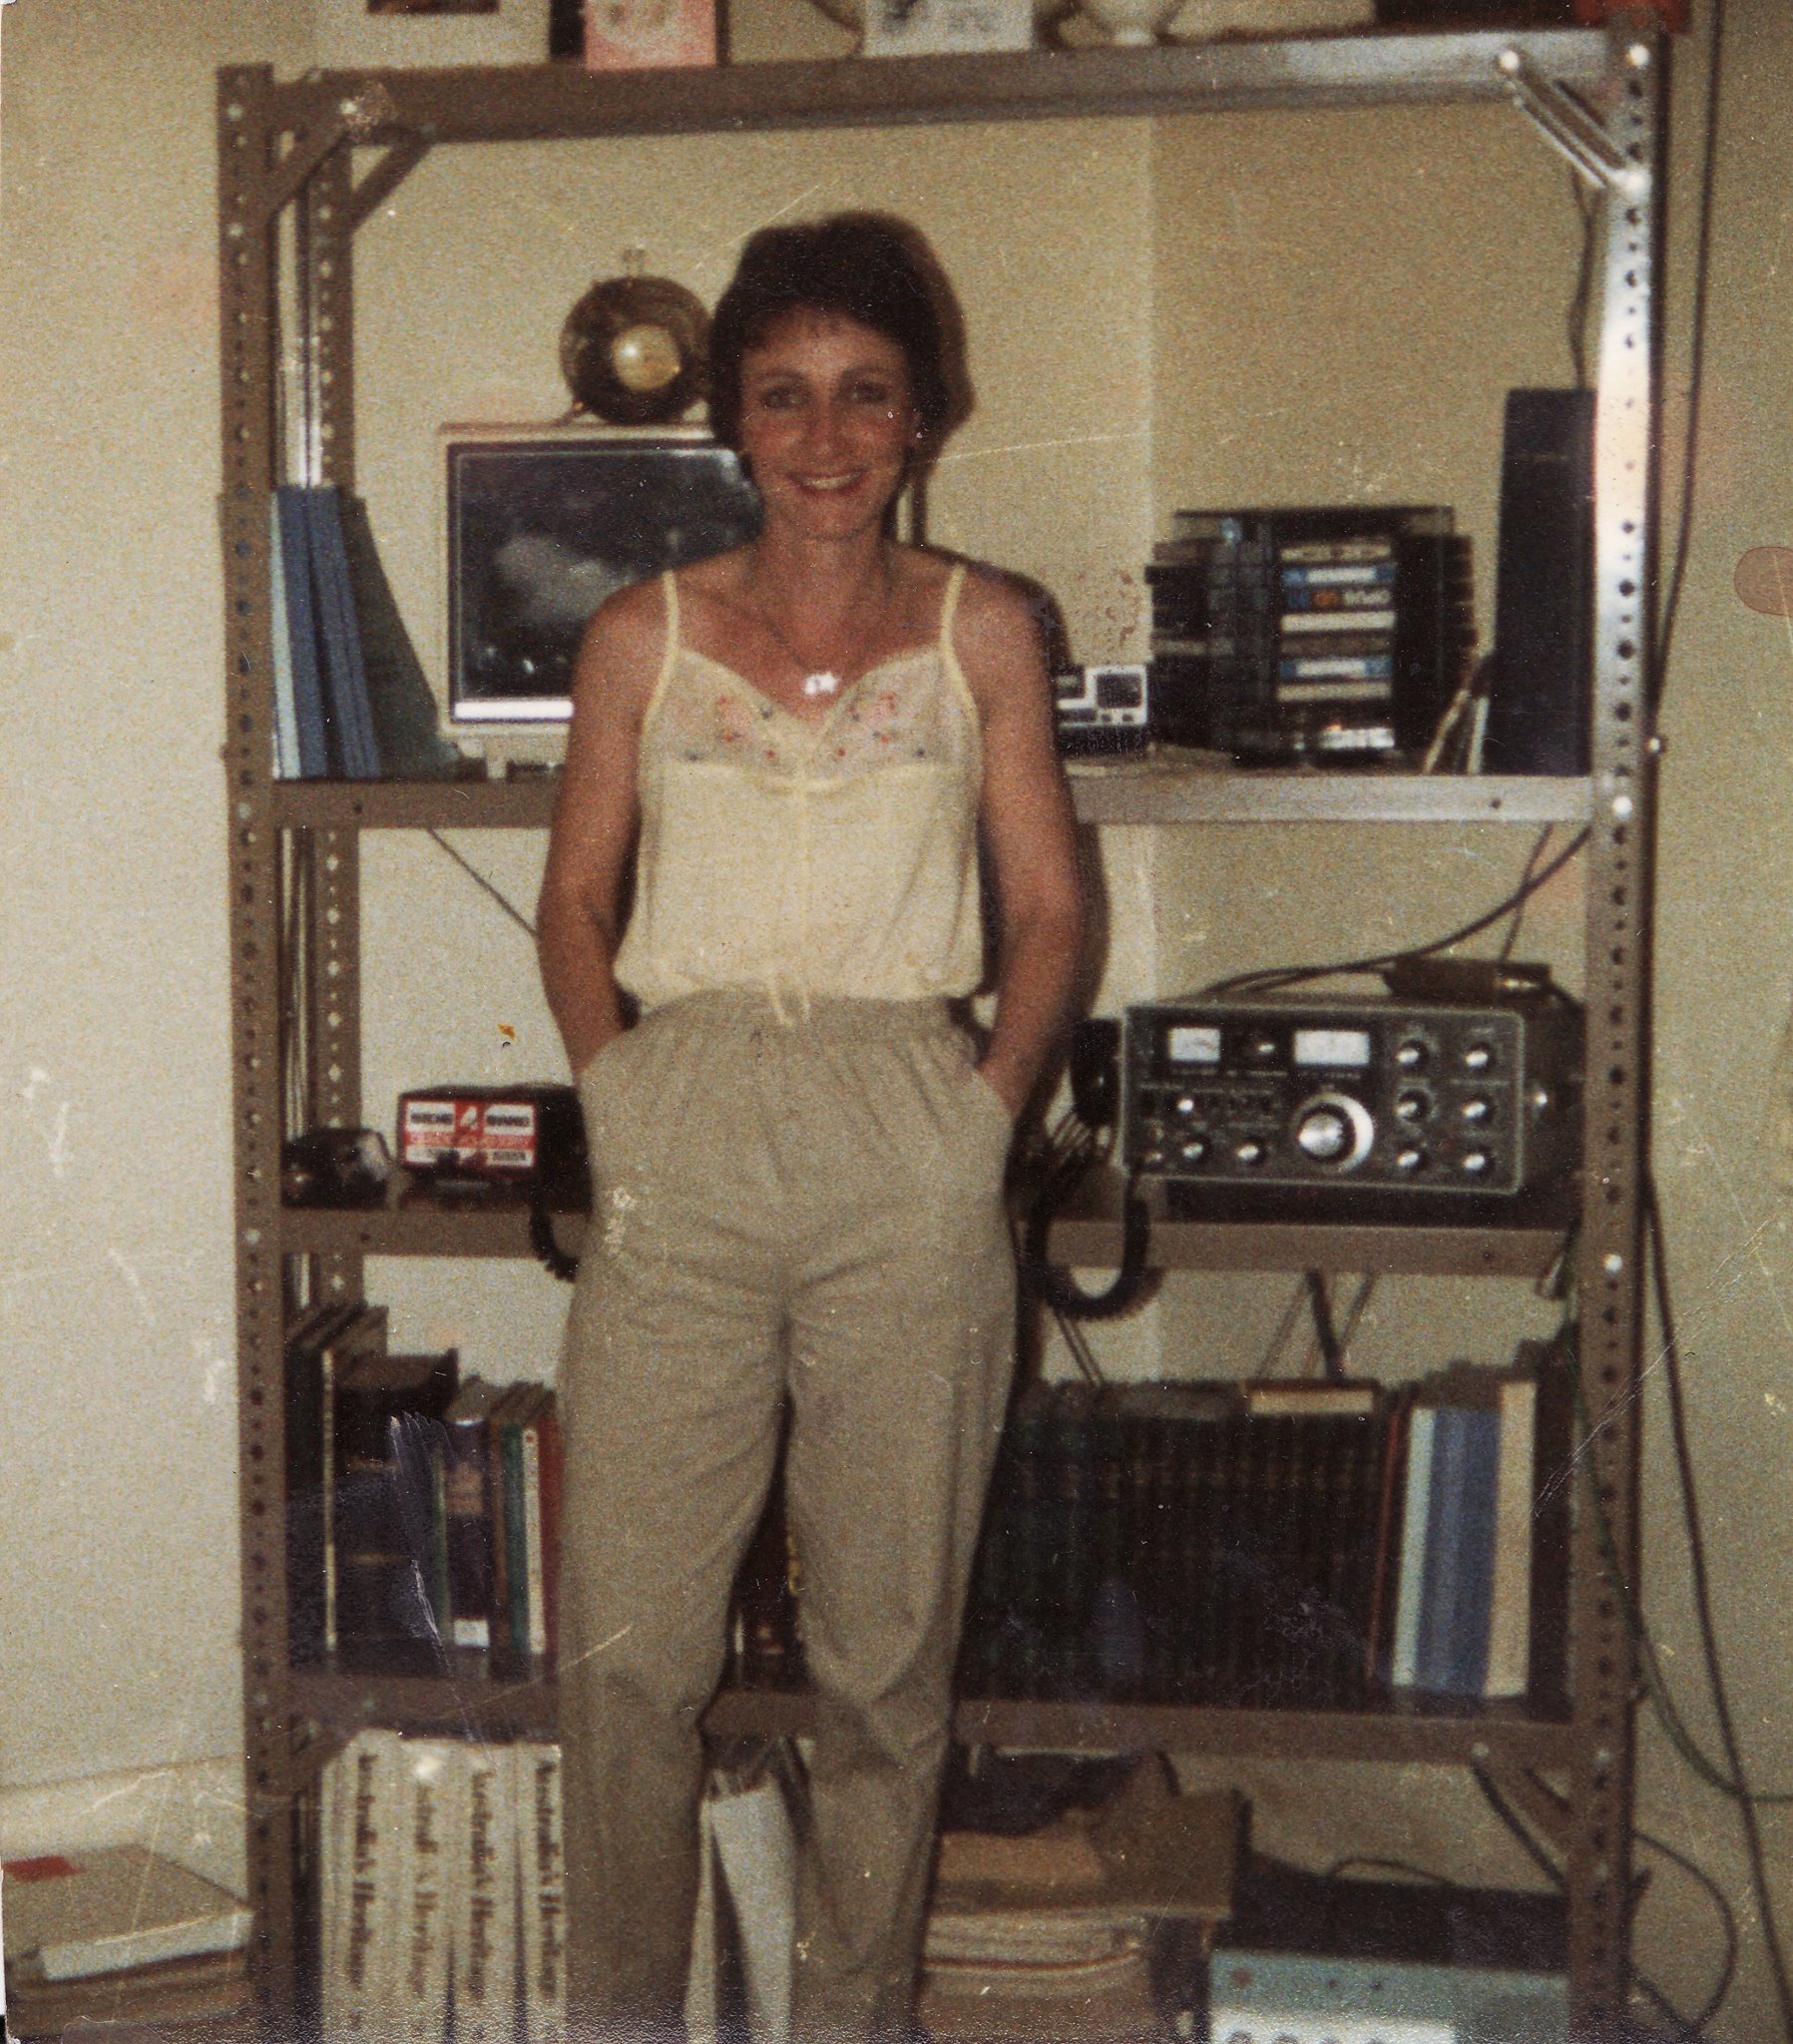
column 527, row 103
column 524, row 1706
column 1087, row 1236
column 1159, row 789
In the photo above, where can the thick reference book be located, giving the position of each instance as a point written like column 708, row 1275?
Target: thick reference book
column 471, row 1532
column 75, row 1915
column 360, row 1901
column 484, row 1899
column 542, row 1893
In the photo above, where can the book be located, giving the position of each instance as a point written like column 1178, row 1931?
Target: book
column 542, row 1893
column 355, row 755
column 323, row 1343
column 1309, row 1395
column 382, row 1593
column 408, row 740
column 1450, row 1645
column 432, row 1821
column 467, row 1511
column 211, row 1986
column 312, row 716
column 75, row 1915
column 1411, row 1563
column 286, row 740
column 548, row 1428
column 532, row 1636
column 484, row 1898
column 358, row 1987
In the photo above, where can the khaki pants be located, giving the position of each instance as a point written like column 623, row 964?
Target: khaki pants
column 805, row 1206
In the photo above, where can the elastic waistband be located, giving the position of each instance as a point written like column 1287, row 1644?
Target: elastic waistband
column 831, row 1016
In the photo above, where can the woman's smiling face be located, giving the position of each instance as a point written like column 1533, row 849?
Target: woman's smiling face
column 827, row 423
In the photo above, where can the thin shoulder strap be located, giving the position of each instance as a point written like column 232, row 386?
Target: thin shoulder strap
column 949, row 605
column 949, row 658
column 668, row 660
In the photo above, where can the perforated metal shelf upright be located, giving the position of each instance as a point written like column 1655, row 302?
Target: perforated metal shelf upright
column 290, row 200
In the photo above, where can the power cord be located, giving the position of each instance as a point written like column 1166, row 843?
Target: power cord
column 1270, row 978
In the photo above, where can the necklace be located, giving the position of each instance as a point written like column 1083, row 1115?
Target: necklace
column 829, row 680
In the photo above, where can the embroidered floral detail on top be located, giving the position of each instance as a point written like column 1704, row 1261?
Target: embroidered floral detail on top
column 896, row 710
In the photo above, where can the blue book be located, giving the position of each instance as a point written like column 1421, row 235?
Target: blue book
column 310, row 712
column 1452, row 1650
column 346, row 677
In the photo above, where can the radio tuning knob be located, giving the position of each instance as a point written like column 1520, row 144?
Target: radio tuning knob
column 1478, row 1057
column 1411, row 1056
column 1475, row 1160
column 1324, row 1134
column 1250, row 1152
column 1186, row 1104
column 1193, row 1150
column 1410, row 1160
column 1474, row 1109
column 1412, row 1107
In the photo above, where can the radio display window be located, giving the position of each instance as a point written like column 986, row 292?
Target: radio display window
column 1191, row 1043
column 1336, row 1049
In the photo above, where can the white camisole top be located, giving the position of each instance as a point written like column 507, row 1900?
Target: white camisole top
column 808, row 858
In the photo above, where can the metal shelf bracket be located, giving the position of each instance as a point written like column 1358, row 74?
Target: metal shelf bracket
column 1570, row 127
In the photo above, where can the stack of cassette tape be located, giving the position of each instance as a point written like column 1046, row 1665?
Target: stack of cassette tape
column 1327, row 634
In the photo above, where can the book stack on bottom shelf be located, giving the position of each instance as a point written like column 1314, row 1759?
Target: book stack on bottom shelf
column 119, row 1936
column 436, row 1876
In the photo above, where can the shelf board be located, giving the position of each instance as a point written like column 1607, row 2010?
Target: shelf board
column 522, row 802
column 415, row 1221
column 1160, row 789
column 523, row 1705
column 547, row 102
column 1087, row 1234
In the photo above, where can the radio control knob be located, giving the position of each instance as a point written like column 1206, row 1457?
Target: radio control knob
column 1186, row 1105
column 1412, row 1107
column 1476, row 1162
column 1326, row 1134
column 1193, row 1150
column 1152, row 1157
column 1474, row 1109
column 1410, row 1160
column 1250, row 1152
column 1478, row 1057
column 1411, row 1056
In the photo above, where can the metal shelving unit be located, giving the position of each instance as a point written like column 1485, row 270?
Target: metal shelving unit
column 293, row 193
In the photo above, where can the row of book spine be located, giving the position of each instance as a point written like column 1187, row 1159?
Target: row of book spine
column 437, row 1879
column 350, row 701
column 1279, row 1545
column 323, row 718
column 422, row 1510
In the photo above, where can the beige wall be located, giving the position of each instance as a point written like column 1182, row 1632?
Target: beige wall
column 1330, row 306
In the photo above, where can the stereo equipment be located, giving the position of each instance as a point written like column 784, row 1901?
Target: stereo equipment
column 1269, row 1997
column 1366, row 1108
column 483, row 1136
column 1540, row 679
column 1331, row 633
column 1101, row 708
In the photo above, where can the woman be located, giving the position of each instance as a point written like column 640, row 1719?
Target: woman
column 797, row 1158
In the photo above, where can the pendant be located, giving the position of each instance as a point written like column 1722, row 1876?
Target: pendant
column 820, row 685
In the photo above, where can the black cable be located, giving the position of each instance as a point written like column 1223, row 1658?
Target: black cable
column 1319, row 1304
column 1583, row 296
column 467, row 868
column 1272, row 978
column 1702, row 1605
column 1518, row 913
column 1522, row 1832
column 1696, row 349
column 1728, row 1917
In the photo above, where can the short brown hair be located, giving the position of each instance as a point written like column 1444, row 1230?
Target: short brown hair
column 866, row 267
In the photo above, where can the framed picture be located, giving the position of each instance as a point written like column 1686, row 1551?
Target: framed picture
column 542, row 525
